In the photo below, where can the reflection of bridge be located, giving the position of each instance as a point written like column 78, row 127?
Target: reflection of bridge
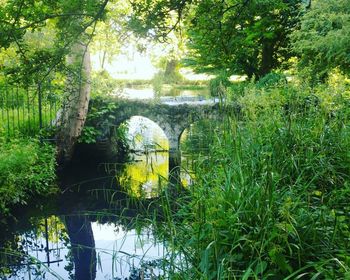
column 172, row 115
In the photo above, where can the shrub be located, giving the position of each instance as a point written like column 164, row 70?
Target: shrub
column 272, row 79
column 27, row 168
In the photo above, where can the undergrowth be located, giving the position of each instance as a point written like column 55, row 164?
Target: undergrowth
column 271, row 195
column 27, row 168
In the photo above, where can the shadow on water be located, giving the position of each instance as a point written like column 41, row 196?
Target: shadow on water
column 100, row 226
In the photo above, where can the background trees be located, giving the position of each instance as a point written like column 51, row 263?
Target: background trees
column 241, row 37
column 323, row 40
column 248, row 37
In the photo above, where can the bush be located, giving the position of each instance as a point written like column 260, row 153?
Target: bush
column 27, row 168
column 272, row 80
column 104, row 84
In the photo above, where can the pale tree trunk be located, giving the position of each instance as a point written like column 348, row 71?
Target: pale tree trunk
column 76, row 102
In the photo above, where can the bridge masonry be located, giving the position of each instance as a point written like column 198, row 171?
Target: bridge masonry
column 173, row 116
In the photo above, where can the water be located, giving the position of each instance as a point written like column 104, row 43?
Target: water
column 97, row 227
column 117, row 252
column 101, row 224
column 148, row 93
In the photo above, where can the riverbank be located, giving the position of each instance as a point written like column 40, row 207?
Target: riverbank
column 267, row 196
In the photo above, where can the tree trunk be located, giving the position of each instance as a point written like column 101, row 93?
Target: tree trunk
column 76, row 103
column 170, row 73
column 266, row 60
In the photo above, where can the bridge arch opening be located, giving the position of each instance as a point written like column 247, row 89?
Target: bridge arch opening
column 143, row 134
column 196, row 137
column 148, row 172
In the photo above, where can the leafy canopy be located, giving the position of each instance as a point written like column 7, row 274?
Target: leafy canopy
column 323, row 40
column 238, row 36
column 241, row 37
column 38, row 35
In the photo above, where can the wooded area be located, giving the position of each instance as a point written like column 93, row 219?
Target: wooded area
column 271, row 184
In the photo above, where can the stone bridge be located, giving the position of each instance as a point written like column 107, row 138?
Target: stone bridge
column 172, row 115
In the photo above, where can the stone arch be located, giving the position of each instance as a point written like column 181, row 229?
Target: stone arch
column 173, row 120
column 150, row 120
column 208, row 115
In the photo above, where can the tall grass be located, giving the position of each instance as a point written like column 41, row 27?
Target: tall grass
column 271, row 197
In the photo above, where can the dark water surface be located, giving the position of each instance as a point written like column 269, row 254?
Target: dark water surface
column 99, row 227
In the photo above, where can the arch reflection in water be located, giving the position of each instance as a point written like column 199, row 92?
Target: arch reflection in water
column 99, row 241
column 146, row 175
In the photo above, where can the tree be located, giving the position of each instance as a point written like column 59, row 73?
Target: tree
column 111, row 33
column 71, row 26
column 323, row 40
column 156, row 19
column 242, row 37
column 238, row 36
column 60, row 24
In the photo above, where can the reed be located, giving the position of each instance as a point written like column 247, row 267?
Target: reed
column 271, row 194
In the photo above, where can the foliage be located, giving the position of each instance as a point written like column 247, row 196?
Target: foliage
column 242, row 37
column 322, row 42
column 218, row 85
column 100, row 123
column 272, row 80
column 27, row 168
column 103, row 84
column 111, row 34
column 271, row 195
column 100, row 117
column 156, row 19
column 157, row 83
column 172, row 73
column 36, row 37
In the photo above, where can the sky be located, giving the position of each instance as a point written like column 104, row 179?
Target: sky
column 130, row 64
column 133, row 65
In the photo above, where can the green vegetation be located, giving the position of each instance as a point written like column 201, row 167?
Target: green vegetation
column 27, row 169
column 270, row 198
column 271, row 193
column 219, row 84
column 244, row 37
column 36, row 38
column 322, row 42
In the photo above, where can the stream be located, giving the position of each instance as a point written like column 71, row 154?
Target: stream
column 101, row 224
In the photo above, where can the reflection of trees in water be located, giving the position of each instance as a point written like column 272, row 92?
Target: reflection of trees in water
column 32, row 250
column 82, row 244
column 11, row 252
column 91, row 189
column 146, row 176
